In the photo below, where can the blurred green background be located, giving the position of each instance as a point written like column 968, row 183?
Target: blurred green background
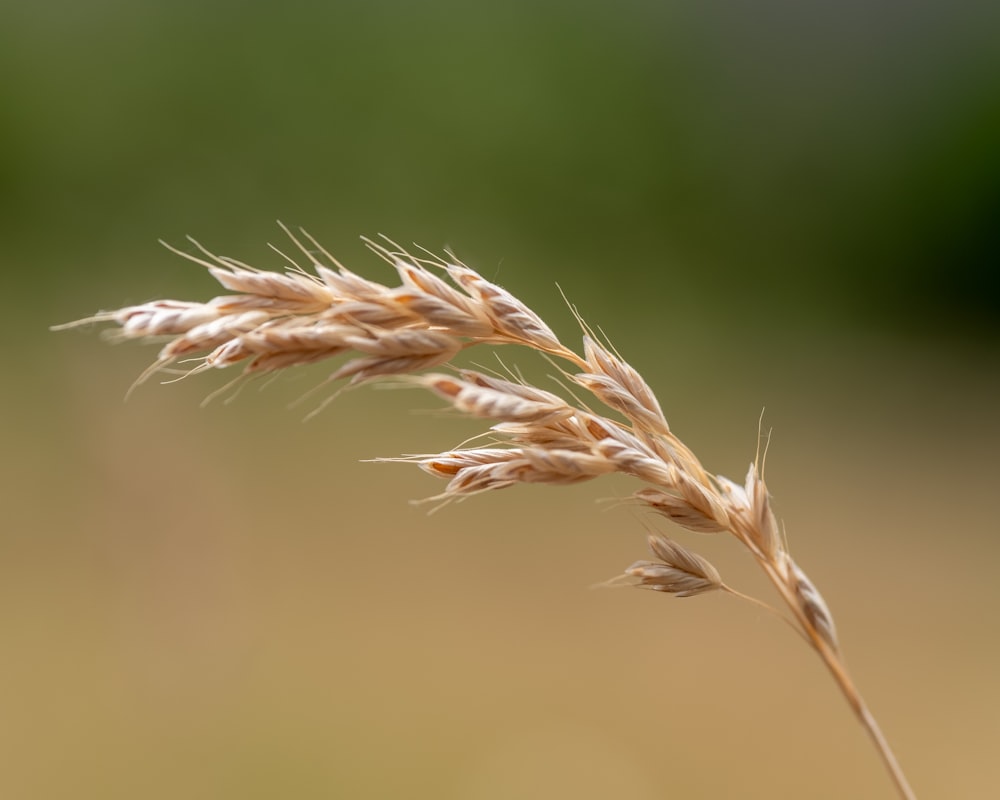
column 790, row 206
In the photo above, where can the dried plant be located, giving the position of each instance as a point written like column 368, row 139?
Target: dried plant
column 274, row 321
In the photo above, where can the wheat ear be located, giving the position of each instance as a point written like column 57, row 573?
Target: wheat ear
column 272, row 321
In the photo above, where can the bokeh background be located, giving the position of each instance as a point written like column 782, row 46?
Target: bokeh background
column 782, row 206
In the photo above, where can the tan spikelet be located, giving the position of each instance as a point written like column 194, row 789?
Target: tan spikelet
column 677, row 571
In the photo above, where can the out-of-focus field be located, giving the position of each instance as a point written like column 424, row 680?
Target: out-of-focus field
column 782, row 212
column 225, row 603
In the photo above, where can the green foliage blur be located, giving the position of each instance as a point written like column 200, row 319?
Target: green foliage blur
column 771, row 163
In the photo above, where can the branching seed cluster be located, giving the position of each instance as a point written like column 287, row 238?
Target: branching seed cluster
column 272, row 321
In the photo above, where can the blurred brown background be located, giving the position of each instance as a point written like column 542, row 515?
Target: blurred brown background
column 773, row 205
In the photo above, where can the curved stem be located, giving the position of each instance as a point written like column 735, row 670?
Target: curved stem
column 839, row 672
column 840, row 675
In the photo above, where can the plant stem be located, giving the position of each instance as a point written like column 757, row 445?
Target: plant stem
column 839, row 672
column 840, row 675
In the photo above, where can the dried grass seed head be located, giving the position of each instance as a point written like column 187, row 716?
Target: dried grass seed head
column 678, row 571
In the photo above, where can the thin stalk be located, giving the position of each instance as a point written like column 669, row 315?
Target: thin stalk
column 843, row 679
